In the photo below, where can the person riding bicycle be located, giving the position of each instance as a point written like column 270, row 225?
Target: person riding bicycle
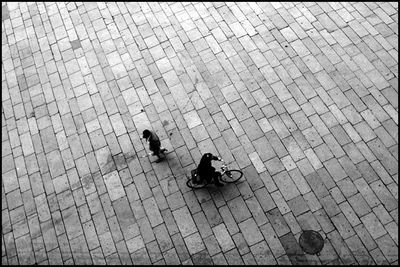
column 206, row 171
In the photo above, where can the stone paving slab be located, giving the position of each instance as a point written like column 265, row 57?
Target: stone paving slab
column 302, row 97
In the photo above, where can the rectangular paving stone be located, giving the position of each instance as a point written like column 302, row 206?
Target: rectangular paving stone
column 140, row 257
column 152, row 211
column 358, row 250
column 256, row 160
column 278, row 222
column 240, row 243
column 365, row 131
column 301, row 120
column 293, row 250
column 26, row 143
column 163, row 237
column 378, row 256
column 264, row 199
column 115, row 229
column 298, row 205
column 350, row 169
column 194, row 243
column 365, row 237
column 14, row 199
column 272, row 240
column 359, row 205
column 349, row 213
column 10, row 247
column 324, row 221
column 328, row 254
column 335, row 169
column 386, row 158
column 239, row 209
column 293, row 148
column 307, row 221
column 317, row 183
column 24, row 249
column 211, row 213
column 240, row 109
column 330, row 206
column 184, row 221
column 384, row 195
column 55, row 257
column 49, row 235
column 135, row 243
column 256, row 211
column 347, row 187
column 252, row 129
column 388, row 247
column 393, row 231
column 301, row 140
column 366, row 151
column 286, row 185
column 71, row 222
column 154, row 251
column 384, row 136
column 263, row 148
column 20, row 228
column 126, row 217
column 145, row 230
column 180, row 247
column 90, row 234
column 233, row 257
column 171, row 257
column 343, row 226
column 228, row 219
column 337, row 195
column 274, row 166
column 142, row 185
column 222, row 236
column 202, row 224
column 382, row 214
column 56, row 166
column 340, row 247
column 367, row 171
column 262, row 254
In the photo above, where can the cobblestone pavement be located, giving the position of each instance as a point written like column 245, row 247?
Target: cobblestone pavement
column 303, row 97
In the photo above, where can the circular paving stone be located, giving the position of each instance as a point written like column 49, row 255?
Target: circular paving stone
column 311, row 242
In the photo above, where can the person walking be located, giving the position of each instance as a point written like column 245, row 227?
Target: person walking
column 154, row 144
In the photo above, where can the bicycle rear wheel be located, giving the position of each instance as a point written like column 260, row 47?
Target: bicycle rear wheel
column 193, row 185
column 231, row 176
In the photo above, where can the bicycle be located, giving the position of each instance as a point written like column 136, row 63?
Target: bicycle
column 227, row 176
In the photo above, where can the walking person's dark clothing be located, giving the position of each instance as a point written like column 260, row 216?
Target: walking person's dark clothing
column 206, row 171
column 154, row 143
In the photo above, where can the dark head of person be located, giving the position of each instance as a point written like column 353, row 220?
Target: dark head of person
column 206, row 159
column 146, row 134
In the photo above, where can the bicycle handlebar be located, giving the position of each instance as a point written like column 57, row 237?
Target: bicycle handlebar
column 224, row 167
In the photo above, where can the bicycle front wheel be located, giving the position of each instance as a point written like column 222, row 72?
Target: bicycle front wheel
column 193, row 185
column 231, row 176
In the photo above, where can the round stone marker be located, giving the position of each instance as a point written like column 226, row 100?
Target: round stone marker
column 311, row 242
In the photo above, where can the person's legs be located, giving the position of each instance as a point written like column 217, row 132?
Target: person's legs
column 155, row 148
column 216, row 177
column 157, row 153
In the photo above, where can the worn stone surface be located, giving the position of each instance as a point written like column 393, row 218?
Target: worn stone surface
column 302, row 97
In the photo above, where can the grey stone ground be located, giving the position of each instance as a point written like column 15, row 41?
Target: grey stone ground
column 303, row 97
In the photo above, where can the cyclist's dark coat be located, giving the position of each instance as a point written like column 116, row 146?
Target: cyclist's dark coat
column 205, row 170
